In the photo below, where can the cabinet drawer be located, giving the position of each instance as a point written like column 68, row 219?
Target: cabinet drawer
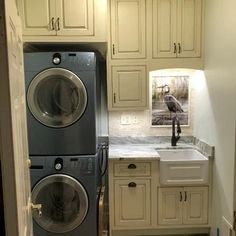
column 132, row 169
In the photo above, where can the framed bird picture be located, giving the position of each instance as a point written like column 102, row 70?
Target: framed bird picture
column 170, row 98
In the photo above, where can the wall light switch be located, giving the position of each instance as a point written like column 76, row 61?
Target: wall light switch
column 125, row 120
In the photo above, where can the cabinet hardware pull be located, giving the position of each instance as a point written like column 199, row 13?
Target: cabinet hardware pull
column 132, row 185
column 132, row 166
column 185, row 196
column 114, row 97
column 175, row 48
column 180, row 49
column 113, row 49
column 58, row 24
column 181, row 196
column 52, row 24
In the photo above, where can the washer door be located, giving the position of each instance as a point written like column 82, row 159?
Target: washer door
column 64, row 203
column 57, row 97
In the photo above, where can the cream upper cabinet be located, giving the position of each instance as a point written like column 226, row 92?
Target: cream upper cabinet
column 164, row 28
column 128, row 29
column 189, row 28
column 132, row 202
column 129, row 87
column 188, row 205
column 177, row 28
column 45, row 18
column 58, row 17
column 39, row 17
column 74, row 17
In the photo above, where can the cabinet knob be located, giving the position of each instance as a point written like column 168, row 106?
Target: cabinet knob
column 132, row 166
column 181, row 196
column 132, row 185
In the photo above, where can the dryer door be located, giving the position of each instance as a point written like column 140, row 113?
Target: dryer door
column 64, row 203
column 57, row 97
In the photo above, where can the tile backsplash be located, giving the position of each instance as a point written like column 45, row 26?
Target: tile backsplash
column 141, row 126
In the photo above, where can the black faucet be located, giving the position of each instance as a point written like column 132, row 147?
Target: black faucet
column 174, row 138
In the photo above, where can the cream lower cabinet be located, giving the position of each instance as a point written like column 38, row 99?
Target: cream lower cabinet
column 177, row 28
column 183, row 206
column 129, row 87
column 131, row 199
column 132, row 202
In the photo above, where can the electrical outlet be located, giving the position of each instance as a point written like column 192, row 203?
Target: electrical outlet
column 135, row 119
column 125, row 120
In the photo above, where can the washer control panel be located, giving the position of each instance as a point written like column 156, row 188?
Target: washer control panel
column 82, row 166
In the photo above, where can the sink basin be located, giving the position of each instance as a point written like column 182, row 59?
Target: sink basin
column 181, row 155
column 183, row 167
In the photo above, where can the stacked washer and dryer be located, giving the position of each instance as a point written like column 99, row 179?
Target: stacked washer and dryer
column 63, row 91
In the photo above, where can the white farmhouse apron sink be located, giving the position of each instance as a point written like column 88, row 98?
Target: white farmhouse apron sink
column 183, row 167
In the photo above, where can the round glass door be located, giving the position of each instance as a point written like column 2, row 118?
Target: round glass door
column 57, row 97
column 64, row 203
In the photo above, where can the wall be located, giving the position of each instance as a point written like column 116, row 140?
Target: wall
column 215, row 108
column 142, row 125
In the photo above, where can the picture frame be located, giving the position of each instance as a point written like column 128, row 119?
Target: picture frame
column 170, row 97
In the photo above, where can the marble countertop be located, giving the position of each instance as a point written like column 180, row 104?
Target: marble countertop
column 134, row 151
column 146, row 147
column 140, row 151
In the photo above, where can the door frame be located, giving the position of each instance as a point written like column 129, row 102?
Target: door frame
column 234, row 193
column 12, row 208
column 6, row 141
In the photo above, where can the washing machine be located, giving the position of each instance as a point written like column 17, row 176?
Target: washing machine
column 63, row 91
column 65, row 195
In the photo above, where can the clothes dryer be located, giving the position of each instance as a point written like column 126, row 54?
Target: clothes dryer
column 63, row 102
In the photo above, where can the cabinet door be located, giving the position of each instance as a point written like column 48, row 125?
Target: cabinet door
column 38, row 17
column 164, row 28
column 129, row 86
column 128, row 27
column 132, row 203
column 189, row 28
column 195, row 207
column 75, row 17
column 170, row 206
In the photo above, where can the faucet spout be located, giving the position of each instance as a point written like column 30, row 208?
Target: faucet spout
column 174, row 138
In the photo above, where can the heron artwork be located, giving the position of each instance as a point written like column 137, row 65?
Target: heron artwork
column 170, row 99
